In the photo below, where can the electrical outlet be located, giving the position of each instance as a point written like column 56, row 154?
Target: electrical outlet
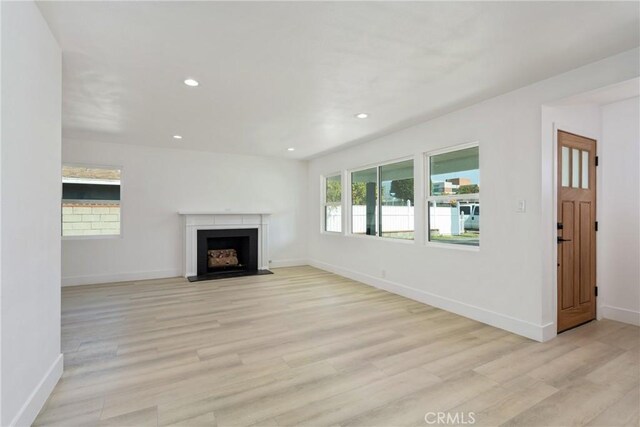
column 383, row 273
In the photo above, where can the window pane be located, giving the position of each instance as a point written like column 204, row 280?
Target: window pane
column 333, row 189
column 333, row 218
column 364, row 191
column 455, row 221
column 456, row 172
column 90, row 201
column 585, row 169
column 333, row 209
column 565, row 166
column 396, row 187
column 575, row 168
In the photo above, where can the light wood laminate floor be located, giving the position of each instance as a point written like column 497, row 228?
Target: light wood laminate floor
column 306, row 347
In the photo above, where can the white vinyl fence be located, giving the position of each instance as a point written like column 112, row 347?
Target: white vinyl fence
column 394, row 218
column 446, row 220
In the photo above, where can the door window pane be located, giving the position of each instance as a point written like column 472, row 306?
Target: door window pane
column 585, row 169
column 565, row 166
column 575, row 168
column 456, row 172
column 364, row 191
column 397, row 200
column 455, row 221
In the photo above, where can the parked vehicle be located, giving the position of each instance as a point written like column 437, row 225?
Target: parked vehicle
column 470, row 213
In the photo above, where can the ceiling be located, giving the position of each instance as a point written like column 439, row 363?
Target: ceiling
column 283, row 74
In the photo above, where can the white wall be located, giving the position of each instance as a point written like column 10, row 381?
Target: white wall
column 159, row 182
column 506, row 283
column 1, row 116
column 619, row 211
column 30, row 177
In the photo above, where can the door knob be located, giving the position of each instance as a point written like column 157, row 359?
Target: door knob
column 560, row 240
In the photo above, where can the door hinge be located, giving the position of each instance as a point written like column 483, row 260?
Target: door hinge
column 597, row 160
column 596, row 225
column 596, row 291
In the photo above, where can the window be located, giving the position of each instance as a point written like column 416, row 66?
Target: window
column 453, row 201
column 382, row 200
column 364, row 197
column 396, row 199
column 333, row 204
column 90, row 201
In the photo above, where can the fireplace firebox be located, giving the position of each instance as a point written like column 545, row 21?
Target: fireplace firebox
column 223, row 253
column 244, row 241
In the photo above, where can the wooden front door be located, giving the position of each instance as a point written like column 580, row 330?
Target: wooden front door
column 576, row 230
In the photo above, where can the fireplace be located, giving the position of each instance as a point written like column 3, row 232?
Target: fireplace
column 227, row 251
column 233, row 235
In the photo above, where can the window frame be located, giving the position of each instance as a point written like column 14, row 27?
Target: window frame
column 324, row 204
column 122, row 196
column 428, row 198
column 349, row 229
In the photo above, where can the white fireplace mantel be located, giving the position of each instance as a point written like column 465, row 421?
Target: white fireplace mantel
column 204, row 220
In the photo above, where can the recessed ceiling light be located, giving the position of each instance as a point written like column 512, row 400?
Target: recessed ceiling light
column 177, row 136
column 191, row 82
column 362, row 115
column 291, row 149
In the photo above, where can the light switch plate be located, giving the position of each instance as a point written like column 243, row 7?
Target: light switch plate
column 522, row 206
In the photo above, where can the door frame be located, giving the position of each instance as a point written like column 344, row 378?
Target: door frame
column 559, row 126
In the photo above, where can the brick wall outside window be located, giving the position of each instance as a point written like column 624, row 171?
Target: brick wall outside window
column 90, row 219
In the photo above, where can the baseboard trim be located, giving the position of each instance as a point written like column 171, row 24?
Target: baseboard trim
column 508, row 323
column 621, row 314
column 278, row 263
column 31, row 408
column 123, row 277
